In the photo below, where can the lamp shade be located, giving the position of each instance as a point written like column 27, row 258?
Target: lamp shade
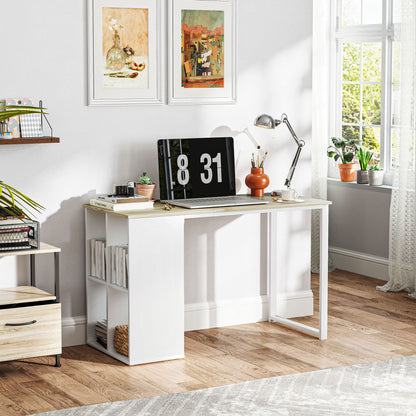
column 265, row 121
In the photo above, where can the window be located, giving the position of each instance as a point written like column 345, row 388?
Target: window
column 366, row 75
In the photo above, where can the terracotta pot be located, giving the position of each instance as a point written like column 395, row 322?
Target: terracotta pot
column 257, row 180
column 346, row 171
column 146, row 190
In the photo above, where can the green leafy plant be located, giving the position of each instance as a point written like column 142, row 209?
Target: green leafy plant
column 364, row 157
column 12, row 201
column 375, row 167
column 342, row 149
column 7, row 111
column 15, row 204
column 145, row 180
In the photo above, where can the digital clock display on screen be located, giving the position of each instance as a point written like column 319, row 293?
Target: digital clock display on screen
column 194, row 168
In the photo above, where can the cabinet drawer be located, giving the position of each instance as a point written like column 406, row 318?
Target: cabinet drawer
column 32, row 339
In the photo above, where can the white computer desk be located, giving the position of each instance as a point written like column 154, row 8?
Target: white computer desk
column 153, row 303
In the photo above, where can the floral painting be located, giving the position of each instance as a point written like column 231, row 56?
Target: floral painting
column 124, row 52
column 125, row 48
column 202, row 48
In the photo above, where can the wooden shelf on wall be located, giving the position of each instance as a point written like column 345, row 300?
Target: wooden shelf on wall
column 30, row 140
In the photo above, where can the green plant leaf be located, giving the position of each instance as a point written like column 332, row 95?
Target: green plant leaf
column 11, row 200
column 348, row 157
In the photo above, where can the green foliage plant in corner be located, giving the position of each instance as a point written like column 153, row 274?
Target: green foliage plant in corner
column 13, row 202
column 343, row 150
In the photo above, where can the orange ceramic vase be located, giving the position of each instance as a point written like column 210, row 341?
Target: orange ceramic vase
column 257, row 180
column 346, row 171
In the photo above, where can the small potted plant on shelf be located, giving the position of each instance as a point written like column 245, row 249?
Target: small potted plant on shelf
column 145, row 186
column 375, row 175
column 343, row 150
column 364, row 157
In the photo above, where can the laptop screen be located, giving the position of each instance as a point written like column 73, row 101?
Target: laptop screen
column 195, row 168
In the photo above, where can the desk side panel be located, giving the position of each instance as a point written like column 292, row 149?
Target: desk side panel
column 156, row 291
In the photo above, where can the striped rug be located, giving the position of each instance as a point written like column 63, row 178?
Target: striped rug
column 385, row 388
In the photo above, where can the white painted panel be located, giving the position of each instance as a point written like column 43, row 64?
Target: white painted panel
column 156, row 292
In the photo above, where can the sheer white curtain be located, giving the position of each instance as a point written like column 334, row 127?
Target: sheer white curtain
column 320, row 114
column 402, row 267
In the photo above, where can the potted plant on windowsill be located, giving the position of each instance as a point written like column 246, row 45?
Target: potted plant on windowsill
column 145, row 186
column 375, row 175
column 343, row 150
column 364, row 157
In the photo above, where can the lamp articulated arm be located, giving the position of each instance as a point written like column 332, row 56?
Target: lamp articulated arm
column 269, row 122
column 300, row 144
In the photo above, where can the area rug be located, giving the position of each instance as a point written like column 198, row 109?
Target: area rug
column 385, row 388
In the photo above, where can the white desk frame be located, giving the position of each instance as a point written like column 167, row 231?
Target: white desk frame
column 322, row 331
column 156, row 289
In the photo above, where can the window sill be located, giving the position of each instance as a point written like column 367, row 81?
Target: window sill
column 381, row 188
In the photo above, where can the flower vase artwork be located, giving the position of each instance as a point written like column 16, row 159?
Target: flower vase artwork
column 116, row 57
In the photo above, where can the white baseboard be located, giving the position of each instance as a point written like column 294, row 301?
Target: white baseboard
column 214, row 314
column 204, row 315
column 73, row 331
column 355, row 262
column 294, row 305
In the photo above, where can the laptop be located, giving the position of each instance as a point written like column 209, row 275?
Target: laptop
column 199, row 173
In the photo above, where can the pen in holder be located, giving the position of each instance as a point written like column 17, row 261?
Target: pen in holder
column 257, row 180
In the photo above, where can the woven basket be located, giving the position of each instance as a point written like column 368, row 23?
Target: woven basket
column 121, row 339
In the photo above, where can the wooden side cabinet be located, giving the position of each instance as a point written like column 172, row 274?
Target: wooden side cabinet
column 30, row 318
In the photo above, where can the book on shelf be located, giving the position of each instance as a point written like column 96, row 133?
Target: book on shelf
column 117, row 265
column 97, row 258
column 101, row 332
column 114, row 199
column 128, row 206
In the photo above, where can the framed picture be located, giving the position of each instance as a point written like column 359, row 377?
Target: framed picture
column 124, row 52
column 202, row 51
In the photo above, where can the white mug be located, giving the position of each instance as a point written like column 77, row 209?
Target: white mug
column 289, row 194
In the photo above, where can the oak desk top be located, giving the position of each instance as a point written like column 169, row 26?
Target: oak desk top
column 159, row 211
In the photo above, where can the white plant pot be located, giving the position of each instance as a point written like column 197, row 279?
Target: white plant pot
column 375, row 177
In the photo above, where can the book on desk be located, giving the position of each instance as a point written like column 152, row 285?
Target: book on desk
column 121, row 207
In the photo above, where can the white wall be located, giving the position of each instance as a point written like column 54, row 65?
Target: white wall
column 46, row 58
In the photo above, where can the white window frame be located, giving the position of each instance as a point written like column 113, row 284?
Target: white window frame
column 383, row 33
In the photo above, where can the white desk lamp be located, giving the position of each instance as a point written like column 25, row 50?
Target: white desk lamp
column 268, row 122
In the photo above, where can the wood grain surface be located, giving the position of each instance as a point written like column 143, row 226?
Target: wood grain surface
column 364, row 326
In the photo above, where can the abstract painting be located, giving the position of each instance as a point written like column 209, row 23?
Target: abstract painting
column 202, row 51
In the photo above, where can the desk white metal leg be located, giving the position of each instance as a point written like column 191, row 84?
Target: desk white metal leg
column 322, row 332
column 323, row 274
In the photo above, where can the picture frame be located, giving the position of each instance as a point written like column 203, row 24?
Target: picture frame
column 202, row 52
column 129, row 29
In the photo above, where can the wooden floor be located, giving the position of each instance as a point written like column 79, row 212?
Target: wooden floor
column 365, row 325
